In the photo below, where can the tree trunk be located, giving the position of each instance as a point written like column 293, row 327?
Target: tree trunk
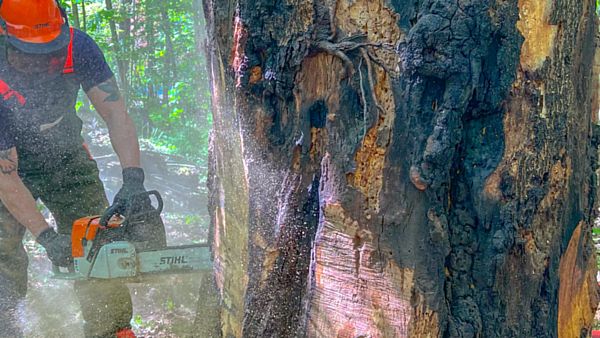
column 127, row 10
column 403, row 168
column 75, row 11
column 83, row 17
column 152, row 101
column 201, row 81
column 169, row 73
column 116, row 44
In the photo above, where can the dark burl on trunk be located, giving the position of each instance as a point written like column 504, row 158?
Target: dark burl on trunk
column 396, row 168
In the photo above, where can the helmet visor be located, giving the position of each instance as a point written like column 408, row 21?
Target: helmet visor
column 42, row 44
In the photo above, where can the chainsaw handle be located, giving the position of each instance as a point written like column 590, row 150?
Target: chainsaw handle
column 108, row 214
column 114, row 209
column 156, row 194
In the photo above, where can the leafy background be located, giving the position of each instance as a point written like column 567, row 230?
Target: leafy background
column 155, row 49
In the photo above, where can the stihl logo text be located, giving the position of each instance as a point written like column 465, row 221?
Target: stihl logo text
column 118, row 251
column 173, row 260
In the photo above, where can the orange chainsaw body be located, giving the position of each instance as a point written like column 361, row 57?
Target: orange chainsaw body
column 86, row 229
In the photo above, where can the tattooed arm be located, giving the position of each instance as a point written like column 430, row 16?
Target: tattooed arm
column 111, row 107
column 15, row 196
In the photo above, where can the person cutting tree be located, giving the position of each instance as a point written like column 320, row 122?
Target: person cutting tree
column 43, row 64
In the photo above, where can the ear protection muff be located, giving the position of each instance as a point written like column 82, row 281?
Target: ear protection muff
column 62, row 11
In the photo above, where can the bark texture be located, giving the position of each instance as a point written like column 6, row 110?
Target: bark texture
column 396, row 168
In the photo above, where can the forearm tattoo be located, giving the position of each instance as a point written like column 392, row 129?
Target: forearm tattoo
column 112, row 89
column 8, row 163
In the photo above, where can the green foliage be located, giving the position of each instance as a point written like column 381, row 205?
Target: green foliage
column 192, row 219
column 170, row 305
column 137, row 319
column 156, row 52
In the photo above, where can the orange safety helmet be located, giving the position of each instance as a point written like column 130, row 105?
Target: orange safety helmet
column 34, row 26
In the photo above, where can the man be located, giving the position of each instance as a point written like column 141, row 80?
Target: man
column 42, row 155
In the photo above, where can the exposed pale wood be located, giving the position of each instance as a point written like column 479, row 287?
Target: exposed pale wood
column 577, row 301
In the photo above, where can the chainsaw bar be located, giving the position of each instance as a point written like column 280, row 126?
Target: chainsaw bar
column 175, row 259
column 121, row 260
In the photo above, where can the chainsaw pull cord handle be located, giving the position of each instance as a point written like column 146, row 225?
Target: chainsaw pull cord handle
column 113, row 210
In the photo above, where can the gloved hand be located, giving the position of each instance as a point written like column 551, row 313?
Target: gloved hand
column 133, row 184
column 58, row 247
column 131, row 198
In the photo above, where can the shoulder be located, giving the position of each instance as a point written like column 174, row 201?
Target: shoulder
column 86, row 52
column 89, row 61
column 83, row 42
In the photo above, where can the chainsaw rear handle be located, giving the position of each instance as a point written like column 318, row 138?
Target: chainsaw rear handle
column 113, row 209
column 155, row 193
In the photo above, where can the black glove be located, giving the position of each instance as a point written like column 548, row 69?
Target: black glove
column 133, row 184
column 58, row 247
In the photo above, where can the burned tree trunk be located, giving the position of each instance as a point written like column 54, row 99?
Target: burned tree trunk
column 403, row 168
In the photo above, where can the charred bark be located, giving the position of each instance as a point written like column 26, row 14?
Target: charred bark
column 403, row 168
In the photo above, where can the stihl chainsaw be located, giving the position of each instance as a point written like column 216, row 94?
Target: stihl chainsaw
column 130, row 246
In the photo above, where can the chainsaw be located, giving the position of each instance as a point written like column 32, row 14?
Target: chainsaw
column 131, row 246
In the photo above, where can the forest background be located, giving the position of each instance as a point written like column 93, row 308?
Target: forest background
column 155, row 49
